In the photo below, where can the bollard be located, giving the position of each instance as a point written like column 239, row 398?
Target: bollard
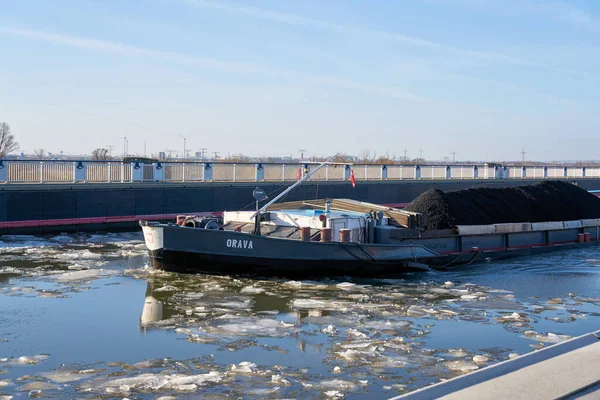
column 305, row 233
column 326, row 235
column 586, row 237
column 580, row 237
column 345, row 235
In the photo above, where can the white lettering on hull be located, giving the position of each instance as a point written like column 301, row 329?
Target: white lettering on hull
column 240, row 244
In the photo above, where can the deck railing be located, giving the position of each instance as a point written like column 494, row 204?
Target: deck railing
column 46, row 171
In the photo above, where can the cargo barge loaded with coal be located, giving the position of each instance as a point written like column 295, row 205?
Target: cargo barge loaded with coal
column 337, row 237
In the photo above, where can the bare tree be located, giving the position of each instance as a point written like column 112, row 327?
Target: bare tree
column 100, row 154
column 238, row 158
column 367, row 156
column 40, row 154
column 7, row 140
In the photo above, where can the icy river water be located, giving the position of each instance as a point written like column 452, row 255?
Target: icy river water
column 83, row 316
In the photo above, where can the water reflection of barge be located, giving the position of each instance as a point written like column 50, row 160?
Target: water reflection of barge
column 344, row 237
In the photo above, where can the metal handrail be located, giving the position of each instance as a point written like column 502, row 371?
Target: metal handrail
column 95, row 171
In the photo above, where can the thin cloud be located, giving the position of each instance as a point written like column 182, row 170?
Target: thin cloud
column 555, row 9
column 564, row 11
column 391, row 37
column 105, row 46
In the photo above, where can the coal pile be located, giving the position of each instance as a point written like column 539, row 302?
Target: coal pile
column 540, row 202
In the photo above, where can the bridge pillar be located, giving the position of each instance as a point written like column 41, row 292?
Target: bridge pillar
column 208, row 172
column 3, row 171
column 158, row 172
column 384, row 172
column 259, row 172
column 417, row 172
column 137, row 172
column 305, row 170
column 347, row 172
column 79, row 171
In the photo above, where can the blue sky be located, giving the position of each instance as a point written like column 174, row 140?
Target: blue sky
column 485, row 78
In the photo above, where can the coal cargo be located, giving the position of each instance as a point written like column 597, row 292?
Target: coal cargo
column 541, row 202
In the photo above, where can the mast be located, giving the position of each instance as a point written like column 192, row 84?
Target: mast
column 286, row 191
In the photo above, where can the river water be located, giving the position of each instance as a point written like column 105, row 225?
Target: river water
column 83, row 316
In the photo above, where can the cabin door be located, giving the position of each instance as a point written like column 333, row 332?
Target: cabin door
column 336, row 225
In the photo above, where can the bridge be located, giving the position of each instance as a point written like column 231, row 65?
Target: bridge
column 66, row 196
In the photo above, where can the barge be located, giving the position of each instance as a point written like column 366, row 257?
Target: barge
column 344, row 237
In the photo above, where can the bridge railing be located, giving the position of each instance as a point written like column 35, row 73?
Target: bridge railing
column 45, row 171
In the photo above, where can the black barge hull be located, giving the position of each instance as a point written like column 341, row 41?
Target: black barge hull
column 192, row 250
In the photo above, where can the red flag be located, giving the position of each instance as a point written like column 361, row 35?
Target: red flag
column 299, row 173
column 352, row 178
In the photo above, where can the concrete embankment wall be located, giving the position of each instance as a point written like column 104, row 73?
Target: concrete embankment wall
column 51, row 208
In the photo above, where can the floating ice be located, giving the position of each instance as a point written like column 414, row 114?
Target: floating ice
column 278, row 380
column 457, row 353
column 514, row 317
column 355, row 333
column 154, row 382
column 252, row 290
column 480, row 359
column 245, row 367
column 346, row 286
column 416, row 311
column 329, row 330
column 338, row 384
column 330, row 305
column 38, row 386
column 10, row 270
column 440, row 291
column 552, row 338
column 166, row 288
column 251, row 326
column 64, row 377
column 84, row 275
column 234, row 304
column 185, row 388
column 461, row 366
column 386, row 325
column 32, row 359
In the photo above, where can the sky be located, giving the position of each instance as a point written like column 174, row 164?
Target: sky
column 486, row 79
